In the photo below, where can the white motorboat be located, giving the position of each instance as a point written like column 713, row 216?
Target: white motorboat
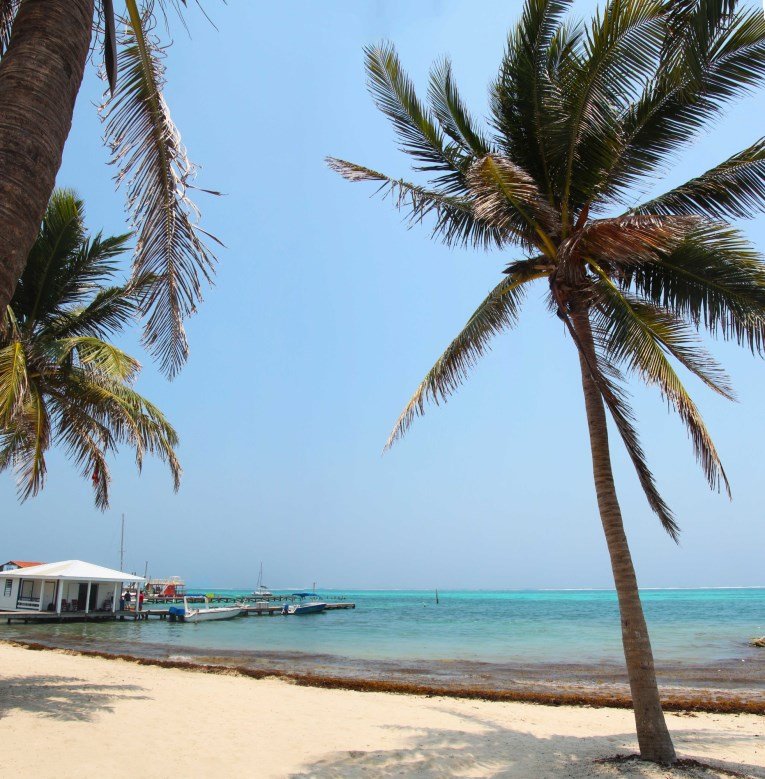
column 209, row 612
column 309, row 604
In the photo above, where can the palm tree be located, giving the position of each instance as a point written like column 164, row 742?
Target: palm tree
column 580, row 113
column 61, row 382
column 44, row 46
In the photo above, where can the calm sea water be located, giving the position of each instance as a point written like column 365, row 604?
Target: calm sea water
column 687, row 626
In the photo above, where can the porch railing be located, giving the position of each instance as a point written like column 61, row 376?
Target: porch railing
column 33, row 604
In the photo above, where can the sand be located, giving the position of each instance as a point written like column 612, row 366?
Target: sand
column 67, row 715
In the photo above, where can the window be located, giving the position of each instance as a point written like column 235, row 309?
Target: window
column 8, row 587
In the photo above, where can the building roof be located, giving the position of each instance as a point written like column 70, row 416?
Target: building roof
column 23, row 563
column 73, row 569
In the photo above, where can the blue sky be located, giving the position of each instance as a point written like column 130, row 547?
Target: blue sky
column 326, row 313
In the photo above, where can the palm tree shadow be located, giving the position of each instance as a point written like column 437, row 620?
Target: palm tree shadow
column 62, row 698
column 497, row 752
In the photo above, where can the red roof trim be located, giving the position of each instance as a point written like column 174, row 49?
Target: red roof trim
column 24, row 563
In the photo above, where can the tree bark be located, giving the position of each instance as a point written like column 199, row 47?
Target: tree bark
column 40, row 76
column 653, row 736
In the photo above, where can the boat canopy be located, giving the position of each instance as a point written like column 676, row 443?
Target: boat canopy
column 304, row 595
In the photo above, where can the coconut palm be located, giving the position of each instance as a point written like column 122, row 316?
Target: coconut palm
column 579, row 115
column 61, row 382
column 44, row 46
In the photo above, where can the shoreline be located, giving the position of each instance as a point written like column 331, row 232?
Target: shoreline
column 710, row 700
column 76, row 716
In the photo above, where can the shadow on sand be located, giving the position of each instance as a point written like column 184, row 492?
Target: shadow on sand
column 504, row 753
column 61, row 698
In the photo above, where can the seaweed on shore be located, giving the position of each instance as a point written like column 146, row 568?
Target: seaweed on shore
column 727, row 704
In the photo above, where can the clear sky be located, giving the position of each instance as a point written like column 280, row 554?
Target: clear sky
column 326, row 314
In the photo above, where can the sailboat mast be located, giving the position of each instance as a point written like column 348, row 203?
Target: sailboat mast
column 122, row 543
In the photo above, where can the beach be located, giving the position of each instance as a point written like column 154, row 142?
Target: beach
column 547, row 647
column 78, row 716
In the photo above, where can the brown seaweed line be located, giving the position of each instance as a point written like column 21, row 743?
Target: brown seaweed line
column 729, row 704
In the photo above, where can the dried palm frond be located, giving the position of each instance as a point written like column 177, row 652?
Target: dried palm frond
column 456, row 222
column 157, row 174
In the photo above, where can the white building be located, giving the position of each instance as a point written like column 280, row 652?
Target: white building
column 71, row 585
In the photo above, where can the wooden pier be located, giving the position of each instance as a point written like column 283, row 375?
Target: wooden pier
column 267, row 611
column 248, row 610
column 75, row 616
column 200, row 598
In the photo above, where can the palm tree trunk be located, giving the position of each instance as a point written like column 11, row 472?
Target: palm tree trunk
column 40, row 76
column 653, row 736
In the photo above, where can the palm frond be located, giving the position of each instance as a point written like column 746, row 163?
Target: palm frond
column 632, row 238
column 607, row 380
column 714, row 278
column 8, row 9
column 98, row 355
column 29, row 456
column 395, row 96
column 455, row 222
column 620, row 50
column 639, row 336
column 155, row 435
column 108, row 313
column 498, row 312
column 507, row 198
column 129, row 417
column 105, row 314
column 152, row 161
column 61, row 234
column 11, row 441
column 87, row 442
column 690, row 23
column 14, row 382
column 93, row 263
column 451, row 112
column 110, row 44
column 523, row 100
column 711, row 68
column 733, row 189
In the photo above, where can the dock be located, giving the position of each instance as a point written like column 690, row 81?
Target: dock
column 255, row 610
column 76, row 616
column 289, row 598
column 267, row 611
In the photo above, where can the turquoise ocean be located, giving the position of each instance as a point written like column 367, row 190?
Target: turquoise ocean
column 467, row 634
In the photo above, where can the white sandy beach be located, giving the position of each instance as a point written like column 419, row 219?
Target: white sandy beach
column 75, row 716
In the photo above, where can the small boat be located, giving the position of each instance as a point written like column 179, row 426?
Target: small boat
column 261, row 591
column 306, row 608
column 313, row 606
column 209, row 613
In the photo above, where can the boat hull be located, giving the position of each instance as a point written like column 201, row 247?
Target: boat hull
column 210, row 615
column 307, row 608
